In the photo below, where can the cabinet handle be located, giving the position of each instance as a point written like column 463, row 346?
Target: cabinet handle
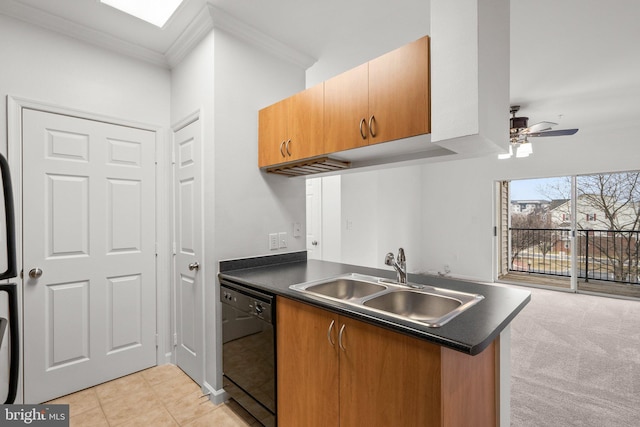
column 282, row 148
column 340, row 337
column 372, row 122
column 333, row 322
column 287, row 146
column 363, row 122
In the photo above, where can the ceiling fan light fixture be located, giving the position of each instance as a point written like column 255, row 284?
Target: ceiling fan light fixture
column 524, row 150
column 156, row 12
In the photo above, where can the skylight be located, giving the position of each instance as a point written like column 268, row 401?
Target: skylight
column 156, row 12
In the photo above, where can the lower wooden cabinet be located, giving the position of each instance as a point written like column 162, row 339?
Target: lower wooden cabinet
column 337, row 371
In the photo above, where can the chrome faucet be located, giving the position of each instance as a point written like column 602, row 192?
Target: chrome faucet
column 400, row 264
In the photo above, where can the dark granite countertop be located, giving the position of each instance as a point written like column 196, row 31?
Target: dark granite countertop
column 470, row 332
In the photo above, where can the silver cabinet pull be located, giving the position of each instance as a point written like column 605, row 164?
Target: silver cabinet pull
column 194, row 266
column 340, row 337
column 35, row 273
column 372, row 122
column 287, row 146
column 333, row 322
column 362, row 134
column 282, row 148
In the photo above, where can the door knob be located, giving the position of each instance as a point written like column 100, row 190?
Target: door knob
column 35, row 273
column 314, row 243
column 194, row 266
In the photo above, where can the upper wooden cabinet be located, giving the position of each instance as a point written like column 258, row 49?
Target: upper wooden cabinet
column 291, row 129
column 399, row 93
column 346, row 106
column 337, row 371
column 383, row 100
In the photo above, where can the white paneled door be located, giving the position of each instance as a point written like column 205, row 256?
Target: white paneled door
column 188, row 262
column 89, row 253
column 314, row 218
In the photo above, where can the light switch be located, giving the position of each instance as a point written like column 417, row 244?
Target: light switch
column 282, row 240
column 297, row 229
column 273, row 241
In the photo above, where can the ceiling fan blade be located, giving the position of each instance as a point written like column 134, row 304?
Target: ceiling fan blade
column 559, row 132
column 539, row 127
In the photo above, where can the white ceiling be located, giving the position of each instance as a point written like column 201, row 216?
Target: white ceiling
column 574, row 62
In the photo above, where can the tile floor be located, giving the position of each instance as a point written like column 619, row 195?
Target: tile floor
column 159, row 396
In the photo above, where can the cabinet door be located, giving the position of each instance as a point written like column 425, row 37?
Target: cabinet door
column 399, row 93
column 306, row 124
column 345, row 107
column 272, row 133
column 387, row 379
column 307, row 366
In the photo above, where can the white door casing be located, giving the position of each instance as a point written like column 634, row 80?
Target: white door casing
column 189, row 251
column 89, row 226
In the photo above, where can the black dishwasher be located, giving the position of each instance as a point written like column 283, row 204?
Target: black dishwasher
column 248, row 349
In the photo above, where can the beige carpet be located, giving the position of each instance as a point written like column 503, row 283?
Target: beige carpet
column 576, row 361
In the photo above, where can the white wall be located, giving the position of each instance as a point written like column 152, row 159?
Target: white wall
column 381, row 212
column 43, row 66
column 460, row 194
column 381, row 206
column 249, row 204
column 48, row 67
column 449, row 206
column 347, row 49
column 229, row 81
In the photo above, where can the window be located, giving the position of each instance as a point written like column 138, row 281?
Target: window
column 584, row 251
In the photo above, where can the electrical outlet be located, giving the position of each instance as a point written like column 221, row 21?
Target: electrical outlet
column 282, row 239
column 273, row 241
column 297, row 229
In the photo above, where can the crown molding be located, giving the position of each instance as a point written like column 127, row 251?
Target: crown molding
column 40, row 18
column 208, row 18
column 197, row 30
column 239, row 29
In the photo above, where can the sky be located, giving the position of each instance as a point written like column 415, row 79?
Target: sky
column 534, row 189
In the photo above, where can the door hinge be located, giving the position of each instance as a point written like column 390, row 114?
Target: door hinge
column 495, row 231
column 173, row 248
column 175, row 340
column 157, row 338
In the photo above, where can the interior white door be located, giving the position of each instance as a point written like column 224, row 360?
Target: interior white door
column 189, row 267
column 314, row 218
column 89, row 253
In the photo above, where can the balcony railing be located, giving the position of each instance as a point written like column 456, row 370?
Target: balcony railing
column 608, row 255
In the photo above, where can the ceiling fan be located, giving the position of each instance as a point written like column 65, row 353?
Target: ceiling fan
column 519, row 131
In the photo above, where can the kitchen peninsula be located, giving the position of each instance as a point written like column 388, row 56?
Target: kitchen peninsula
column 339, row 365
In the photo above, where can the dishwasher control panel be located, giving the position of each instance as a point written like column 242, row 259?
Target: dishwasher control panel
column 248, row 301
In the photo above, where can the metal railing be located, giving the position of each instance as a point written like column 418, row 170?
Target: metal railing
column 608, row 255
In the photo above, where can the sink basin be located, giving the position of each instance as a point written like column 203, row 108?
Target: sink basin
column 414, row 305
column 384, row 298
column 346, row 289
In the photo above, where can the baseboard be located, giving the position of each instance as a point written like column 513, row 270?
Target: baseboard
column 215, row 396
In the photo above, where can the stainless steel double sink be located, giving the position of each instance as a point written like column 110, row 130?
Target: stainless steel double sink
column 423, row 304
